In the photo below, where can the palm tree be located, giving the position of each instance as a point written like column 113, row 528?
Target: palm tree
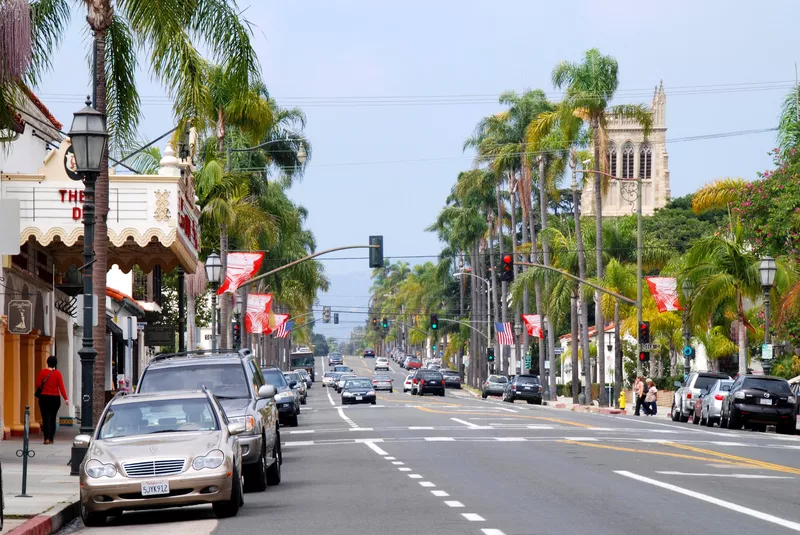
column 789, row 124
column 590, row 86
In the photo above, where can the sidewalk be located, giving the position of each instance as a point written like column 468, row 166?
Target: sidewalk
column 54, row 493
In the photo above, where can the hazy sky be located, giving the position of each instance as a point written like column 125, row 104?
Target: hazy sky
column 392, row 90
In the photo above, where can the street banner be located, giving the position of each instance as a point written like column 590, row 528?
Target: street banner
column 241, row 268
column 284, row 330
column 665, row 292
column 278, row 322
column 505, row 334
column 256, row 319
column 533, row 323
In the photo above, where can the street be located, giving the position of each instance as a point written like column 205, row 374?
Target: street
column 459, row 464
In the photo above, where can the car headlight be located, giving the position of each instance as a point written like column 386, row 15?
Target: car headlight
column 347, row 394
column 97, row 469
column 371, row 393
column 790, row 399
column 284, row 396
column 213, row 459
column 248, row 421
column 739, row 394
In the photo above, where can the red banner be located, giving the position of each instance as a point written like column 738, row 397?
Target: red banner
column 241, row 268
column 256, row 319
column 665, row 292
column 533, row 323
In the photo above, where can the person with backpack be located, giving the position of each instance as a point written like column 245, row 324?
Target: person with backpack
column 651, row 399
column 49, row 390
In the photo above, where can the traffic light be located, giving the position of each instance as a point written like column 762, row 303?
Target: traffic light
column 434, row 348
column 376, row 253
column 434, row 321
column 374, row 323
column 507, row 273
column 237, row 335
column 385, row 323
column 490, row 354
column 326, row 314
column 644, row 341
column 336, row 318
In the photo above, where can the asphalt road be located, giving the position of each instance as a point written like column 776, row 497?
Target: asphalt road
column 461, row 465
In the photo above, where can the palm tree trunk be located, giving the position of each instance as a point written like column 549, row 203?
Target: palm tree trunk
column 525, row 202
column 742, row 338
column 99, row 19
column 598, row 199
column 494, row 296
column 225, row 298
column 551, row 335
column 503, row 309
column 473, row 349
column 618, row 366
column 511, row 348
column 576, row 377
column 190, row 317
column 584, row 307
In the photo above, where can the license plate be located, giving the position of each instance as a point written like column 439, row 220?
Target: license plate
column 765, row 401
column 528, row 388
column 359, row 398
column 155, row 488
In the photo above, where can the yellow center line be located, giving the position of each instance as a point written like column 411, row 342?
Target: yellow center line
column 648, row 452
column 741, row 460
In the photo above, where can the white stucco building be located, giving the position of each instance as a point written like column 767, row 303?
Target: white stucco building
column 630, row 156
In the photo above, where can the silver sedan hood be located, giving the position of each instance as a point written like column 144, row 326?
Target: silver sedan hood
column 158, row 445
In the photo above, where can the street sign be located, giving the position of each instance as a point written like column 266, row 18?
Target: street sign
column 649, row 347
column 207, row 337
column 766, row 351
column 159, row 335
column 20, row 316
column 558, row 350
column 527, row 362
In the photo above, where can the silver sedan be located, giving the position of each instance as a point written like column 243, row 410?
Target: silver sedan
column 711, row 406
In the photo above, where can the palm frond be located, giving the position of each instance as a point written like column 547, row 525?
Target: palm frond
column 718, row 194
column 49, row 21
column 122, row 98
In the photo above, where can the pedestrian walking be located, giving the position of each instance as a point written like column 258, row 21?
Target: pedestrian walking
column 650, row 399
column 50, row 389
column 638, row 393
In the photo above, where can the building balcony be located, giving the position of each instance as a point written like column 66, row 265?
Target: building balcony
column 152, row 219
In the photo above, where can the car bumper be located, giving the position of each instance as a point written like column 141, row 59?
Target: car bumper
column 353, row 400
column 452, row 384
column 383, row 387
column 286, row 409
column 385, row 368
column 103, row 494
column 522, row 394
column 766, row 415
column 428, row 389
column 493, row 392
column 251, row 448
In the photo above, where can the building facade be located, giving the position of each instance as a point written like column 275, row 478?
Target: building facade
column 631, row 156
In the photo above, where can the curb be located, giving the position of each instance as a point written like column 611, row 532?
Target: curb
column 46, row 524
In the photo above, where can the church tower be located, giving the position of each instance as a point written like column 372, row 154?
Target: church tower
column 629, row 156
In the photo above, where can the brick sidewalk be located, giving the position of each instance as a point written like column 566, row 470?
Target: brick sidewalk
column 54, row 493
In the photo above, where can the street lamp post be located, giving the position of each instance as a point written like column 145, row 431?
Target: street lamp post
column 688, row 288
column 767, row 270
column 88, row 136
column 213, row 273
column 488, row 301
column 517, row 334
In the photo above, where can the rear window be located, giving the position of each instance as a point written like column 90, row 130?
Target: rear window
column 432, row 376
column 224, row 380
column 450, row 372
column 704, row 381
column 382, row 378
column 414, row 360
column 274, row 377
column 527, row 380
column 773, row 386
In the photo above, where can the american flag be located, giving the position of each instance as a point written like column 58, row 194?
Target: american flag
column 505, row 334
column 284, row 329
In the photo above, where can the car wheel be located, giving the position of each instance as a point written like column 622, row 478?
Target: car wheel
column 734, row 420
column 674, row 413
column 373, row 402
column 293, row 421
column 510, row 399
column 695, row 418
column 231, row 506
column 530, row 402
column 303, row 401
column 786, row 429
column 255, row 475
column 92, row 520
column 274, row 471
column 709, row 421
column 391, row 390
column 539, row 401
column 484, row 395
column 442, row 394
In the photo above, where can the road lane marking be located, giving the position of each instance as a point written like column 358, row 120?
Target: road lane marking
column 371, row 445
column 723, row 443
column 329, row 396
column 736, row 459
column 361, row 429
column 734, row 476
column 437, row 493
column 510, row 439
column 389, row 458
column 415, row 476
column 649, row 452
column 581, row 439
column 439, row 439
column 299, row 443
column 404, row 469
column 470, row 424
column 539, row 426
column 472, row 517
column 716, row 501
column 492, row 532
column 428, row 484
column 419, row 427
column 506, row 409
column 302, row 432
column 398, row 463
column 519, row 416
column 350, row 422
column 453, row 503
column 674, row 427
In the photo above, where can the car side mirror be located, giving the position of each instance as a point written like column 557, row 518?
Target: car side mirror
column 678, row 384
column 267, row 392
column 292, row 384
column 236, row 428
column 81, row 441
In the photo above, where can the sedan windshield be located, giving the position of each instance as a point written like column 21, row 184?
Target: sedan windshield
column 158, row 416
column 274, row 377
column 227, row 381
column 357, row 383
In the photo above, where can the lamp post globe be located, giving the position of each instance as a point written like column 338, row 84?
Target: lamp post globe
column 302, row 155
column 88, row 136
column 213, row 268
column 767, row 269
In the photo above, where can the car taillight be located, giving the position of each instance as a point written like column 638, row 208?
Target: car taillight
column 514, row 387
column 416, row 381
column 719, row 397
column 688, row 395
column 422, row 382
column 374, row 382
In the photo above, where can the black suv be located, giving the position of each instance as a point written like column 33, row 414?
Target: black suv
column 369, row 353
column 288, row 404
column 525, row 387
column 430, row 381
column 236, row 380
column 756, row 401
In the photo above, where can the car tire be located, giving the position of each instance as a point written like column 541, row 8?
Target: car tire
column 531, row 402
column 274, row 471
column 539, row 401
column 786, row 429
column 674, row 414
column 441, row 394
column 92, row 520
column 695, row 418
column 230, row 507
column 303, row 401
column 293, row 421
column 484, row 395
column 255, row 475
column 373, row 402
column 391, row 390
column 734, row 420
column 709, row 421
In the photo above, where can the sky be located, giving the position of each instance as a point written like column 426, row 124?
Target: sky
column 391, row 91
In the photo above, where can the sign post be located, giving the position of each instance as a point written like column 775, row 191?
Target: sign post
column 766, row 351
column 20, row 316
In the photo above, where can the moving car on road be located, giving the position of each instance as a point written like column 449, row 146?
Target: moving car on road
column 198, row 461
column 684, row 397
column 495, row 385
column 430, row 382
column 383, row 382
column 756, row 401
column 358, row 390
column 413, row 364
column 342, row 368
column 369, row 353
column 525, row 387
column 452, row 379
column 382, row 363
column 711, row 404
column 286, row 399
column 297, row 384
column 237, row 382
column 327, row 379
column 343, row 379
column 335, row 358
column 409, row 380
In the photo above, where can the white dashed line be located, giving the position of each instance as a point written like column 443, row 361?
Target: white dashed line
column 299, row 443
column 428, row 484
column 389, row 458
column 472, row 517
column 734, row 476
column 510, row 439
column 361, row 429
column 419, row 428
column 453, row 503
column 439, row 439
column 415, row 476
column 404, row 469
column 491, row 531
column 350, row 422
column 722, row 443
column 438, row 493
column 302, row 432
column 398, row 463
column 540, row 427
column 371, row 445
column 470, row 424
column 581, row 439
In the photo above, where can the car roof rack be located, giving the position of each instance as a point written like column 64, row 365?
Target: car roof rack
column 244, row 352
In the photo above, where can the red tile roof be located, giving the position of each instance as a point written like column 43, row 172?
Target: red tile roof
column 42, row 108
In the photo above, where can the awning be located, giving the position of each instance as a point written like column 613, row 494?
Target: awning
column 112, row 328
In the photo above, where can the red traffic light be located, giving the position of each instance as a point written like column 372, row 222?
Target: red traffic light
column 642, row 326
column 507, row 259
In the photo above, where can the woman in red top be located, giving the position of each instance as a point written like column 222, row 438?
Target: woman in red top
column 52, row 384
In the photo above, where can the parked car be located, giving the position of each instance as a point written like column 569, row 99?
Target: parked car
column 199, row 456
column 358, row 390
column 684, row 397
column 711, row 402
column 452, row 379
column 407, row 382
column 430, row 382
column 296, row 383
column 305, row 376
column 413, row 364
column 525, row 387
column 369, row 353
column 342, row 368
column 287, row 399
column 494, row 385
column 237, row 382
column 382, row 363
column 383, row 382
column 343, row 379
column 756, row 401
column 334, row 359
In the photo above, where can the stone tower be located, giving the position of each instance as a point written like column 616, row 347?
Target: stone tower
column 630, row 156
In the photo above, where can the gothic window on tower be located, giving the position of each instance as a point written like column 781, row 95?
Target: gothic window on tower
column 611, row 159
column 627, row 160
column 645, row 161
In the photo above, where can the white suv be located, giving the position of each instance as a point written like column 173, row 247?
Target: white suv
column 382, row 364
